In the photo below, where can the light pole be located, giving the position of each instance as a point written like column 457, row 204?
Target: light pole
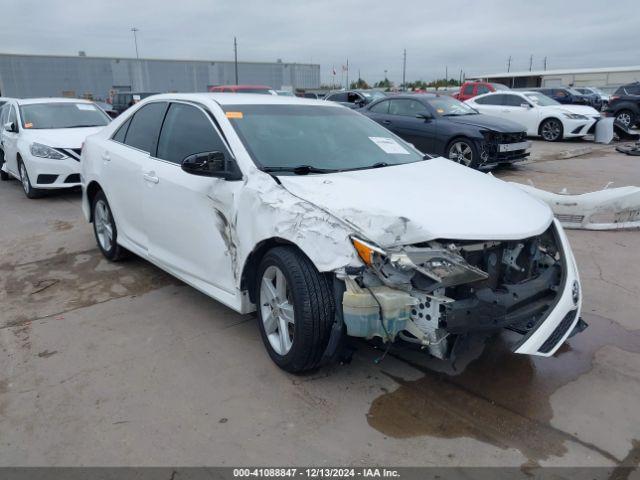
column 135, row 41
column 235, row 56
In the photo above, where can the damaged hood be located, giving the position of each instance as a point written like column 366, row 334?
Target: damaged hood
column 417, row 202
column 487, row 121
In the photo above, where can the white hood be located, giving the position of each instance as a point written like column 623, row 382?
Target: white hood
column 61, row 137
column 422, row 201
column 579, row 109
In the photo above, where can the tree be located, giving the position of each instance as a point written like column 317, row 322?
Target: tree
column 384, row 84
column 360, row 83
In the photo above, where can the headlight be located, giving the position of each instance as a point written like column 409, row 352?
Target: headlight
column 575, row 116
column 366, row 251
column 42, row 151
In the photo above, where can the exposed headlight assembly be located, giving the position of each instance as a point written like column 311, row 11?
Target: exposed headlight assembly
column 42, row 151
column 575, row 116
column 443, row 265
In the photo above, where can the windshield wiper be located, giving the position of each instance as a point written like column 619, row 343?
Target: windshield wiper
column 299, row 169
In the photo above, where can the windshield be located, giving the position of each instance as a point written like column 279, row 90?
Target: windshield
column 373, row 95
column 282, row 137
column 541, row 100
column 62, row 115
column 573, row 91
column 450, row 107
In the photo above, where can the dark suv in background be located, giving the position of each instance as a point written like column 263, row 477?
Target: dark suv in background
column 624, row 105
column 122, row 101
column 569, row 96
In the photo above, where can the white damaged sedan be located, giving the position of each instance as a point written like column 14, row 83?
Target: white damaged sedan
column 328, row 225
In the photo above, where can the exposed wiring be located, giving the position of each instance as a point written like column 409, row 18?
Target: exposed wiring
column 386, row 332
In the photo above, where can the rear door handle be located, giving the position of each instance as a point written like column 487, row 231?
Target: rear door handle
column 387, row 122
column 149, row 177
column 106, row 157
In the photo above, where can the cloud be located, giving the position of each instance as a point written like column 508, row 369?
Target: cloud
column 476, row 37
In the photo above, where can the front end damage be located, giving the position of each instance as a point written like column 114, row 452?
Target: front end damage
column 435, row 294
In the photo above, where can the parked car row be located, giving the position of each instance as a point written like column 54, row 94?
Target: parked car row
column 540, row 115
column 41, row 141
column 320, row 219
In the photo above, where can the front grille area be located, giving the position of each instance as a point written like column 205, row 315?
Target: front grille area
column 514, row 137
column 71, row 152
column 46, row 179
column 566, row 218
column 559, row 332
column 73, row 178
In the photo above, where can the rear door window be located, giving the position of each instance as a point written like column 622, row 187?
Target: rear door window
column 406, row 107
column 338, row 97
column 513, row 100
column 145, row 126
column 187, row 131
column 468, row 89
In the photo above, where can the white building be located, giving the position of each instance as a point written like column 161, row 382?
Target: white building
column 607, row 79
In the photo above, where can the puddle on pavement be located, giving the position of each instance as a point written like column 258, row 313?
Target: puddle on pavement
column 71, row 280
column 500, row 398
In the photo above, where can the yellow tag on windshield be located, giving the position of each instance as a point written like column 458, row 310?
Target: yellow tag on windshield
column 234, row 115
column 28, row 125
column 440, row 110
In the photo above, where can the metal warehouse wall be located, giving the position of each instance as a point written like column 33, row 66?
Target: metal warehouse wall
column 607, row 81
column 39, row 75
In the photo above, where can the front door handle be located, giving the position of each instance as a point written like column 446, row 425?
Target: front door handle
column 387, row 122
column 106, row 157
column 149, row 177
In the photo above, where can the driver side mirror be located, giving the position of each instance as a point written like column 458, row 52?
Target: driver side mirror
column 525, row 105
column 424, row 116
column 10, row 127
column 212, row 164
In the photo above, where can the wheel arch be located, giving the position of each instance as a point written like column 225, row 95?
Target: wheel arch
column 252, row 262
column 92, row 190
column 550, row 117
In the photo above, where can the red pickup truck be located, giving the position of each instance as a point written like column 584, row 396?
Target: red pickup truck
column 471, row 89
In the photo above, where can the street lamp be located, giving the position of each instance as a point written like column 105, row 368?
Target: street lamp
column 135, row 41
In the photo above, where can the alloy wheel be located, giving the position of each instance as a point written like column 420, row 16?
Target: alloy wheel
column 551, row 130
column 461, row 152
column 624, row 118
column 104, row 230
column 276, row 310
column 24, row 178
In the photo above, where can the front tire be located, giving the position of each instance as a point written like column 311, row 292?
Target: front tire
column 28, row 190
column 104, row 228
column 626, row 118
column 464, row 152
column 295, row 309
column 551, row 130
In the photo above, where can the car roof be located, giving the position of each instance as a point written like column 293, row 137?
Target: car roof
column 30, row 101
column 240, row 99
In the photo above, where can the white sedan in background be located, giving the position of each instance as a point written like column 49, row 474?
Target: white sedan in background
column 328, row 225
column 540, row 115
column 41, row 138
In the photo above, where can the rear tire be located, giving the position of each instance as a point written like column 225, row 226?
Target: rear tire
column 296, row 309
column 551, row 130
column 28, row 190
column 104, row 228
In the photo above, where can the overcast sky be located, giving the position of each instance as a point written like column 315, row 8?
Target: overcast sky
column 476, row 36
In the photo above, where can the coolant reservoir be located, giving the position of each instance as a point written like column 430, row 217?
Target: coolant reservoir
column 362, row 313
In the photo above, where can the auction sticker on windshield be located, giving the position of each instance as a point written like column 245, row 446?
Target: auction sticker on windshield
column 389, row 145
column 81, row 106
